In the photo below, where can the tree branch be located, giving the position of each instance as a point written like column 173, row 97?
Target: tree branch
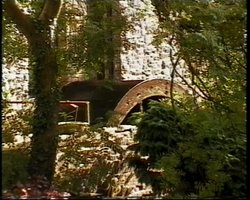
column 22, row 20
column 51, row 10
column 161, row 7
column 194, row 72
column 200, row 94
column 174, row 64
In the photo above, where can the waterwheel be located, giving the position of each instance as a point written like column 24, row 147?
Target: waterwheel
column 115, row 100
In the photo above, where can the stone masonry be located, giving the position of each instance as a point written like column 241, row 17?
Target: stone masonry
column 145, row 61
column 142, row 62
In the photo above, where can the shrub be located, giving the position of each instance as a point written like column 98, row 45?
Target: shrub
column 87, row 162
column 159, row 131
column 199, row 152
column 14, row 166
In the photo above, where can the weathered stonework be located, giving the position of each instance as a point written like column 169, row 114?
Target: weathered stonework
column 145, row 61
column 142, row 62
column 15, row 81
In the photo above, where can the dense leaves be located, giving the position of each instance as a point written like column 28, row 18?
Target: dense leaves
column 14, row 166
column 207, row 162
column 196, row 150
column 210, row 162
column 159, row 132
column 88, row 167
column 101, row 35
column 163, row 136
column 13, row 38
column 201, row 154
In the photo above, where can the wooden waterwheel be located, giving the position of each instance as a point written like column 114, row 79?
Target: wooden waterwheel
column 117, row 98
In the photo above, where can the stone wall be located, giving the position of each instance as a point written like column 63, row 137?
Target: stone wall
column 145, row 61
column 142, row 62
column 15, row 81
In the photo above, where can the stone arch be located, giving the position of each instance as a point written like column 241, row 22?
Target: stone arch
column 141, row 91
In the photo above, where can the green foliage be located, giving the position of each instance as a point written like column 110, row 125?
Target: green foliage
column 102, row 34
column 91, row 164
column 210, row 38
column 159, row 131
column 15, row 122
column 206, row 156
column 14, row 166
column 164, row 129
column 211, row 163
column 15, row 44
column 93, row 40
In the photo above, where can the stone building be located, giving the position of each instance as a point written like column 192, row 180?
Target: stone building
column 143, row 62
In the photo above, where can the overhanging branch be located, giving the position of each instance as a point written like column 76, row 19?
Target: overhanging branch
column 174, row 64
column 22, row 20
column 50, row 11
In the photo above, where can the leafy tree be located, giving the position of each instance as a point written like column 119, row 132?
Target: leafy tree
column 36, row 26
column 89, row 38
column 209, row 36
column 38, row 31
column 101, row 36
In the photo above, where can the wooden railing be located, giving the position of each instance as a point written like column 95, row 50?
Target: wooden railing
column 74, row 104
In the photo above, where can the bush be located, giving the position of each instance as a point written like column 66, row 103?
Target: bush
column 90, row 165
column 159, row 131
column 14, row 167
column 199, row 152
column 210, row 163
column 16, row 122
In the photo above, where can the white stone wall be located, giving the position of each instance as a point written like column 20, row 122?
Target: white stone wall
column 15, row 81
column 144, row 61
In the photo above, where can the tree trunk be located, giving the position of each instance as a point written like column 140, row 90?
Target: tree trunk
column 44, row 65
column 45, row 134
